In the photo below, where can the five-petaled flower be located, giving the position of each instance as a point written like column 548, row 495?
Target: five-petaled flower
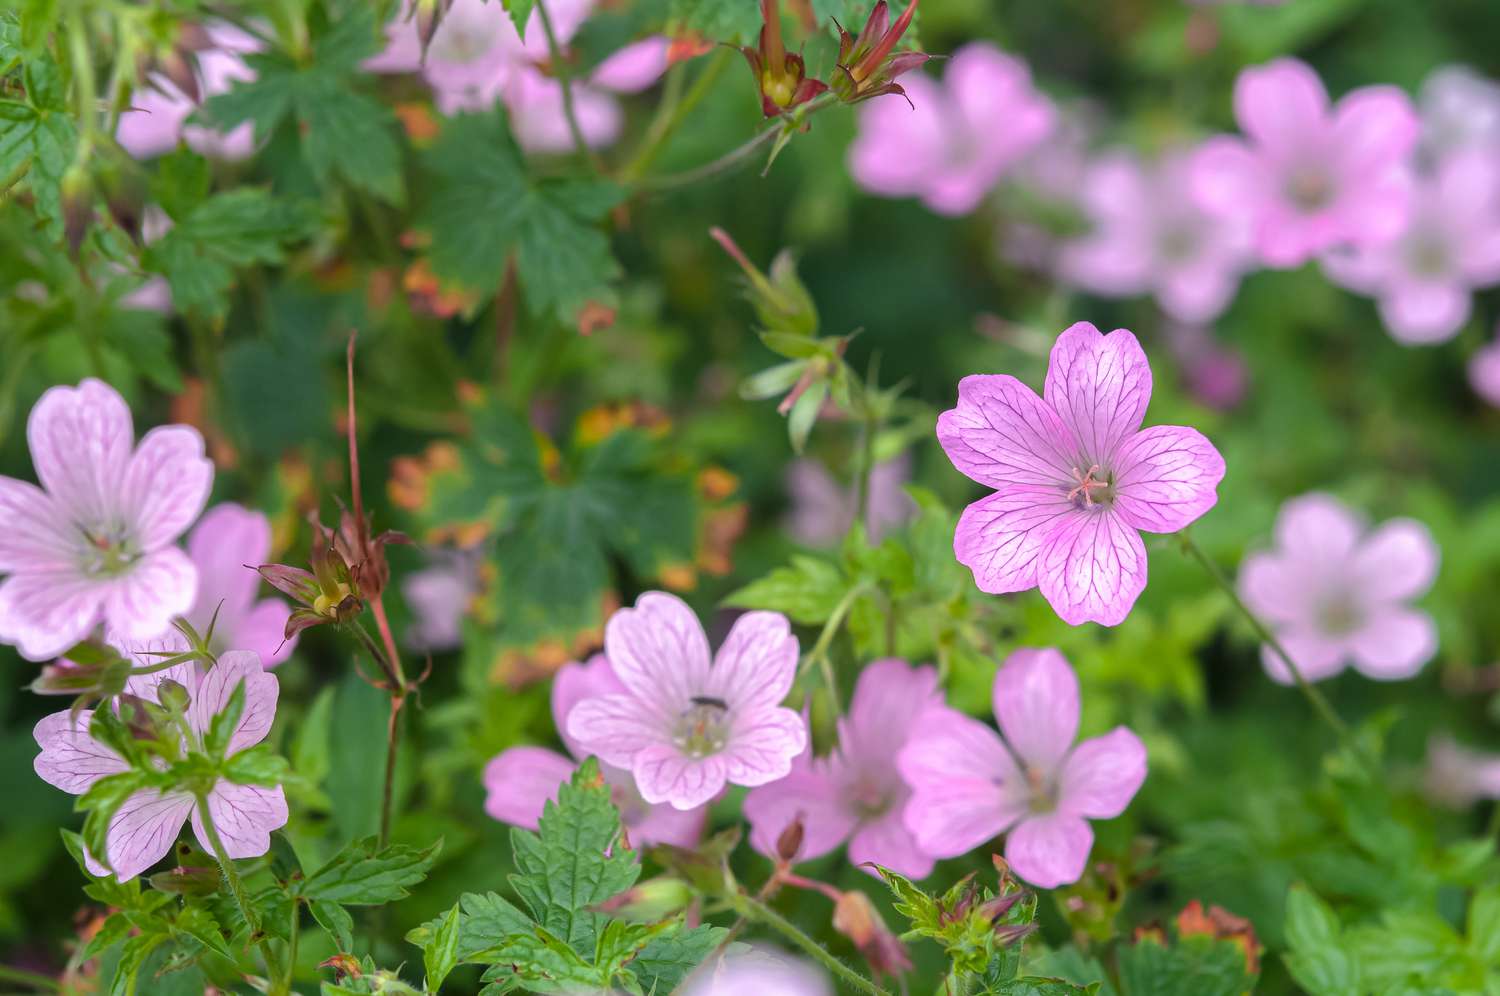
column 1075, row 476
column 684, row 726
column 855, row 794
column 142, row 830
column 1335, row 594
column 95, row 543
column 969, row 785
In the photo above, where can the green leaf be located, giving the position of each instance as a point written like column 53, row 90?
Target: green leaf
column 1041, row 987
column 1194, row 966
column 39, row 141
column 484, row 210
column 440, row 954
column 355, row 785
column 544, row 963
column 199, row 923
column 807, row 591
column 1484, row 925
column 484, row 923
column 735, row 21
column 520, row 12
column 101, row 801
column 336, row 920
column 260, row 765
column 667, row 959
column 361, row 875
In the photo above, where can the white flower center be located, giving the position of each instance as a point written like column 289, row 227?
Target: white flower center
column 703, row 727
column 106, row 551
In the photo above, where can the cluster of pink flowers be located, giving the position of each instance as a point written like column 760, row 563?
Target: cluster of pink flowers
column 157, row 119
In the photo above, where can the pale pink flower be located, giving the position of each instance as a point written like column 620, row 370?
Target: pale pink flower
column 520, row 780
column 822, row 511
column 855, row 794
column 535, row 99
column 144, row 828
column 154, row 293
column 1149, row 236
column 1335, row 593
column 684, row 727
column 759, row 972
column 953, row 141
column 1048, row 182
column 1457, row 776
column 1310, row 176
column 1460, row 111
column 1484, row 372
column 95, row 543
column 1076, row 477
column 157, row 118
column 226, row 545
column 969, row 785
column 1449, row 247
column 439, row 596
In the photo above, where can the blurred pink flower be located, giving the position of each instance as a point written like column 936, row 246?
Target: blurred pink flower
column 1213, row 374
column 144, row 828
column 1075, row 476
column 1460, row 111
column 1335, row 593
column 758, row 972
column 1484, row 372
column 152, row 294
column 685, row 728
column 951, row 143
column 1150, row 236
column 1457, row 776
column 439, row 596
column 225, row 546
column 1310, row 176
column 519, row 781
column 96, row 542
column 855, row 793
column 969, row 785
column 535, row 99
column 1049, row 181
column 157, row 117
column 1449, row 246
column 822, row 511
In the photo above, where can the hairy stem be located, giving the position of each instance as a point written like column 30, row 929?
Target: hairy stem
column 232, row 877
column 753, row 909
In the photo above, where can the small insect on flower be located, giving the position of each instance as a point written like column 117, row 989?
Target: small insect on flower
column 685, row 727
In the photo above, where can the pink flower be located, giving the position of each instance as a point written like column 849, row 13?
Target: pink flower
column 227, row 539
column 855, row 794
column 1149, row 236
column 1484, row 372
column 1335, row 594
column 968, row 784
column 157, row 117
column 1460, row 111
column 1311, row 176
column 951, row 143
column 144, row 828
column 1450, row 246
column 1213, row 374
column 684, row 728
column 520, row 780
column 1075, row 476
column 822, row 511
column 95, row 542
column 535, row 99
column 439, row 596
column 1457, row 776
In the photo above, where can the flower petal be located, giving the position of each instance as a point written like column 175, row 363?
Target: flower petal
column 615, row 728
column 658, row 650
column 755, row 667
column 1227, row 178
column 888, row 700
column 1317, row 656
column 946, row 745
column 519, row 781
column 1001, row 433
column 965, row 786
column 1394, row 644
column 1099, row 385
column 143, row 829
column 1282, row 105
column 227, row 538
column 37, row 535
column 44, row 615
column 808, row 792
column 666, row 825
column 244, row 816
column 1276, row 587
column 1317, row 527
column 886, row 841
column 262, row 630
column 1093, row 569
column 1165, row 478
column 762, row 745
column 1049, row 851
column 1001, row 538
column 1421, row 312
column 1102, row 775
column 1399, row 560
column 80, row 442
column 71, row 759
column 1374, row 128
column 634, row 67
column 166, row 484
column 160, row 587
column 211, row 692
column 576, row 682
column 665, row 774
column 1035, row 698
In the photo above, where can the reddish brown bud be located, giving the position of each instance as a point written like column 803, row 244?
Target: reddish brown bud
column 855, row 917
column 789, row 842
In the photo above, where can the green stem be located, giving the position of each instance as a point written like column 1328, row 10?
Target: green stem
column 723, row 164
column 564, row 80
column 232, row 876
column 819, row 652
column 672, row 112
column 33, row 979
column 753, row 909
column 1318, row 701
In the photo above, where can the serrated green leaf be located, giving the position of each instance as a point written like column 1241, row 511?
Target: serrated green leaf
column 1483, row 925
column 222, row 726
column 440, row 953
column 807, row 591
column 336, row 920
column 199, row 923
column 484, row 923
column 39, row 142
column 1041, row 987
column 260, row 765
column 363, row 875
column 1194, row 966
column 666, row 960
column 543, row 963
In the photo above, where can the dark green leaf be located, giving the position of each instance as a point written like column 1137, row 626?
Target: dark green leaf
column 361, row 875
column 663, row 963
column 336, row 921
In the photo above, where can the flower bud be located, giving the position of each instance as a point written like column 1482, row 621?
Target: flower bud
column 649, row 901
column 781, row 301
column 173, row 696
column 187, row 881
column 789, row 841
column 855, row 917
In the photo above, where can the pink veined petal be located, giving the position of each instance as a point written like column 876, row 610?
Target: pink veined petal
column 952, row 818
column 80, row 441
column 1099, row 385
column 44, row 615
column 809, row 792
column 664, row 774
column 1226, row 178
column 211, row 692
column 615, row 728
column 761, row 746
column 576, row 682
column 1093, row 569
column 888, row 700
column 1317, row 656
column 885, row 841
column 262, row 630
column 1001, row 433
column 519, row 781
column 658, row 650
column 1399, row 560
column 1317, row 527
column 37, row 536
column 1049, row 851
column 224, row 541
column 244, row 816
column 1165, row 478
column 965, row 787
column 1001, row 538
column 1282, row 105
column 634, row 67
column 71, row 759
column 947, row 746
column 1421, row 312
column 1394, row 644
column 1035, row 698
column 160, row 586
column 166, row 484
column 667, row 825
column 756, row 664
column 1373, row 128
column 143, row 829
column 1102, row 775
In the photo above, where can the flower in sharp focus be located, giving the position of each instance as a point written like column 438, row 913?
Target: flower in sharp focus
column 868, row 64
column 1457, row 776
column 952, row 142
column 969, row 785
column 855, row 794
column 1335, row 593
column 95, row 543
column 1311, row 176
column 686, row 726
column 1449, row 247
column 1075, row 477
column 822, row 510
column 225, row 546
column 157, row 117
column 142, row 830
column 329, row 592
column 519, row 781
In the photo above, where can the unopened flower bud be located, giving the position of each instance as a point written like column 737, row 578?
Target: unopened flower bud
column 173, row 696
column 856, row 918
column 187, row 881
column 789, row 841
column 781, row 301
column 649, row 901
